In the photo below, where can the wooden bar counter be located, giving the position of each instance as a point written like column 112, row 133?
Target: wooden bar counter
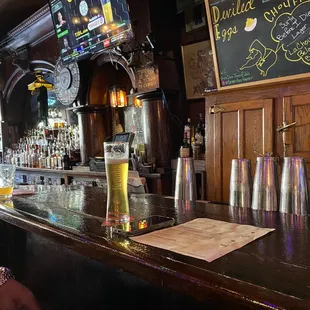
column 270, row 273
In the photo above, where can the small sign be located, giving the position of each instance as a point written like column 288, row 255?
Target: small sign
column 147, row 78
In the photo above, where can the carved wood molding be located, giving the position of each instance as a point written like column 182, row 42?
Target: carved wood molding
column 32, row 31
column 11, row 80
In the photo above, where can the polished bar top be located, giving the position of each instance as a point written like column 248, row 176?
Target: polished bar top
column 272, row 272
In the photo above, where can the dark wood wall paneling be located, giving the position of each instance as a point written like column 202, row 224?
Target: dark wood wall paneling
column 249, row 123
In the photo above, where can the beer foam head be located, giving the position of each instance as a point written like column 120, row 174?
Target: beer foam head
column 116, row 151
column 116, row 161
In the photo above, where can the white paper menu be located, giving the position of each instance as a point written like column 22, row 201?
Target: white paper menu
column 203, row 238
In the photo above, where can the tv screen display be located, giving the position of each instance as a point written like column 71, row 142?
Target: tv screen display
column 84, row 27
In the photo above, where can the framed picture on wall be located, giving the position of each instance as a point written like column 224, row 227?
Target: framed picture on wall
column 198, row 69
column 195, row 17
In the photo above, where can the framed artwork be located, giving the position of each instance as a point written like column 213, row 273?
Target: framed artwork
column 185, row 4
column 195, row 17
column 198, row 68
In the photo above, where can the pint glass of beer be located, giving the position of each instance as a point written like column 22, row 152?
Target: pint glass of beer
column 7, row 175
column 116, row 155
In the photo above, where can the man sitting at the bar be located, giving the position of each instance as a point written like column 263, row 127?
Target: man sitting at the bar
column 13, row 295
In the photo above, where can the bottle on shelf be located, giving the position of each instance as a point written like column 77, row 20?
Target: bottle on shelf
column 20, row 159
column 26, row 155
column 57, row 159
column 42, row 159
column 33, row 158
column 185, row 148
column 189, row 130
column 200, row 133
column 29, row 158
column 13, row 159
column 53, row 158
column 66, row 160
column 46, row 148
column 48, row 158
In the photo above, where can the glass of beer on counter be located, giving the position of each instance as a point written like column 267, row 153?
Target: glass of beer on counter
column 7, row 175
column 116, row 155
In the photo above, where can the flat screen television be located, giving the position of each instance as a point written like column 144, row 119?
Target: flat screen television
column 84, row 27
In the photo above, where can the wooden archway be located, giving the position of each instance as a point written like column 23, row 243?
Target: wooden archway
column 110, row 68
column 18, row 74
column 114, row 57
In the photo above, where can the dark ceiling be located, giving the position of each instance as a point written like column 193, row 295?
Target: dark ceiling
column 13, row 12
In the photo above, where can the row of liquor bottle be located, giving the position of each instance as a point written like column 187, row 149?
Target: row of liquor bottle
column 40, row 149
column 194, row 139
column 45, row 135
column 44, row 157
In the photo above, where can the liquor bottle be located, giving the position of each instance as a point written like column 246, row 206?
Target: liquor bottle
column 189, row 131
column 42, row 159
column 56, row 119
column 58, row 159
column 61, row 122
column 48, row 159
column 20, row 160
column 185, row 148
column 34, row 158
column 30, row 158
column 198, row 137
column 200, row 133
column 53, row 156
column 66, row 160
column 14, row 158
column 26, row 153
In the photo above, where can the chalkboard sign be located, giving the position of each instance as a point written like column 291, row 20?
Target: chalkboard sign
column 258, row 40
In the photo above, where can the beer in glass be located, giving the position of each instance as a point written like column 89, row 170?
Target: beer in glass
column 107, row 11
column 7, row 175
column 116, row 155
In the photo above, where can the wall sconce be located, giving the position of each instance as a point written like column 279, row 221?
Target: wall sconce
column 118, row 97
column 137, row 103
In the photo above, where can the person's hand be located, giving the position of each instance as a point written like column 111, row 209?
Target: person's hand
column 14, row 296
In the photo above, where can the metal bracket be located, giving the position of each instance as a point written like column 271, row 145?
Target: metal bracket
column 285, row 126
column 269, row 154
column 216, row 109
